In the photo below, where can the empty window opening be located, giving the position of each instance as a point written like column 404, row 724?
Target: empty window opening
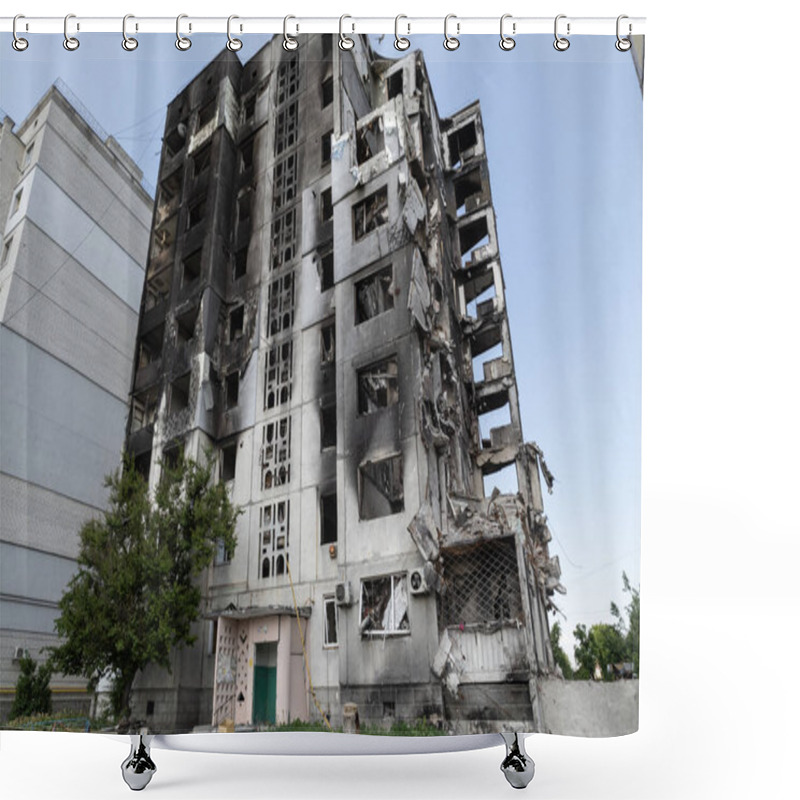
column 232, row 389
column 326, row 205
column 482, row 584
column 247, row 155
column 377, row 386
column 158, row 288
column 482, row 305
column 331, row 618
column 144, row 409
column 171, row 186
column 208, row 113
column 236, row 323
column 197, row 213
column 461, row 144
column 374, row 295
column 274, row 536
column 175, row 139
column 469, row 191
column 489, row 355
column 276, row 453
column 17, row 201
column 388, row 709
column 28, row 155
column 326, row 148
column 380, row 488
column 150, row 709
column 284, row 186
column 227, row 462
column 394, row 84
column 179, row 394
column 327, row 92
column 327, row 510
column 249, row 108
column 150, row 346
column 325, row 268
column 471, row 236
column 281, row 304
column 328, row 343
column 327, row 415
column 171, row 455
column 141, row 463
column 497, row 421
column 504, row 479
column 278, row 383
column 371, row 213
column 244, row 207
column 369, row 140
column 7, row 250
column 384, row 605
column 202, row 160
column 327, row 46
column 191, row 267
column 186, row 323
column 240, row 263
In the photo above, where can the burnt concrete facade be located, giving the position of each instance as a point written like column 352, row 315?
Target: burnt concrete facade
column 323, row 276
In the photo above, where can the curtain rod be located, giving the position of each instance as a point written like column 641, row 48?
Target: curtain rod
column 458, row 26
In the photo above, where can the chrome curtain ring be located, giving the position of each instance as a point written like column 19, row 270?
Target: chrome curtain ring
column 233, row 44
column 506, row 42
column 451, row 42
column 18, row 43
column 181, row 42
column 289, row 42
column 561, row 43
column 400, row 42
column 345, row 42
column 623, row 44
column 70, row 42
column 128, row 42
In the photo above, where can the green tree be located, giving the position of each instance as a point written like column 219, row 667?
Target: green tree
column 561, row 658
column 32, row 692
column 135, row 595
column 628, row 625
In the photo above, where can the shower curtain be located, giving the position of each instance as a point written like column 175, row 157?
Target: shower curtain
column 320, row 382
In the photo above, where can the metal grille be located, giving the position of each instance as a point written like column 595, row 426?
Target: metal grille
column 481, row 583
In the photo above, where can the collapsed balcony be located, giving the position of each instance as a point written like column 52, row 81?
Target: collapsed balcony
column 492, row 392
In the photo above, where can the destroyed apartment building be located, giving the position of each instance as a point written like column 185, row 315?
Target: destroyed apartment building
column 323, row 273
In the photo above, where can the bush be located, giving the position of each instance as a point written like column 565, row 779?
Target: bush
column 32, row 693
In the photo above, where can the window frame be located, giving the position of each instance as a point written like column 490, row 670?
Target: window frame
column 372, row 633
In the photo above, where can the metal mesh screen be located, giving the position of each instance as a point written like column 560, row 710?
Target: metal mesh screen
column 481, row 583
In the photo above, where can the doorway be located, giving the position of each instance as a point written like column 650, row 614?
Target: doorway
column 265, row 674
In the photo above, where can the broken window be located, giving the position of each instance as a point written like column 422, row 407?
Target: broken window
column 331, row 620
column 286, row 128
column 326, row 205
column 276, row 452
column 244, row 207
column 236, row 323
column 469, row 191
column 150, row 346
column 284, row 229
column 482, row 583
column 471, row 236
column 328, row 343
column 247, row 155
column 380, row 488
column 202, row 160
column 171, row 186
column 191, row 267
column 278, row 383
column 157, row 288
column 461, row 144
column 274, row 538
column 175, row 139
column 249, row 108
column 325, row 268
column 284, row 186
column 171, row 454
column 281, row 304
column 227, row 462
column 186, row 322
column 240, row 263
column 384, row 605
column 197, row 213
column 327, row 92
column 144, row 409
column 232, row 389
column 394, row 84
column 327, row 414
column 371, row 213
column 377, row 386
column 326, row 147
column 208, row 113
column 288, row 80
column 374, row 295
column 369, row 140
column 328, row 516
column 179, row 394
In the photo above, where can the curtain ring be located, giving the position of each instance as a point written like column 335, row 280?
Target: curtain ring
column 181, row 42
column 561, row 43
column 70, row 42
column 506, row 42
column 289, row 43
column 19, row 44
column 233, row 44
column 345, row 42
column 623, row 44
column 400, row 42
column 128, row 42
column 451, row 42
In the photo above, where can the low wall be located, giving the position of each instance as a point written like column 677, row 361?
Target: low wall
column 589, row 708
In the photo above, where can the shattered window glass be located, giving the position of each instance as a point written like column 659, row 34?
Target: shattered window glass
column 377, row 386
column 374, row 295
column 371, row 213
column 380, row 488
column 384, row 605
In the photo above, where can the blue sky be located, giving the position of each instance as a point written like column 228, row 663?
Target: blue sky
column 564, row 140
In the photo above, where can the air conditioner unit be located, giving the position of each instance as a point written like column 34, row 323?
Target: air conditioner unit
column 344, row 594
column 20, row 653
column 418, row 583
